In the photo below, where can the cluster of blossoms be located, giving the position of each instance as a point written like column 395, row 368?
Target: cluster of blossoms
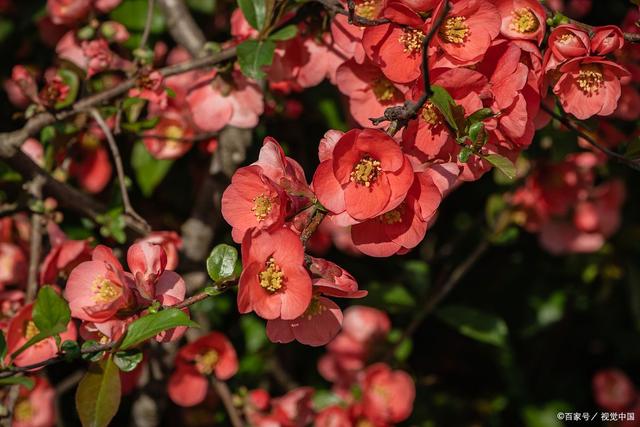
column 565, row 204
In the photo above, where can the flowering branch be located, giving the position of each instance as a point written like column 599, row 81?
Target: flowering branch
column 571, row 125
column 128, row 208
column 227, row 400
column 399, row 116
column 336, row 8
column 35, row 245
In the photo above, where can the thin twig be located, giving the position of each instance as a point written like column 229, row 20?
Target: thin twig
column 312, row 225
column 361, row 21
column 147, row 24
column 227, row 400
column 432, row 301
column 128, row 208
column 399, row 116
column 571, row 125
column 34, row 187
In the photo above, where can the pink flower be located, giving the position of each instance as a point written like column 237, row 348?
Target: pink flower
column 387, row 395
column 607, row 39
column 613, row 390
column 97, row 289
column 21, row 88
column 294, row 408
column 211, row 354
column 333, row 416
column 170, row 241
column 35, row 408
column 10, row 303
column 171, row 137
column 364, row 173
column 369, row 91
column 274, row 282
column 150, row 86
column 68, row 12
column 253, row 201
column 64, row 256
column 22, row 329
column 13, row 265
column 522, row 19
column 216, row 101
column 590, row 86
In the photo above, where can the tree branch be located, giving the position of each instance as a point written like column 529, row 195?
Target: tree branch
column 34, row 187
column 227, row 400
column 572, row 126
column 182, row 27
column 147, row 25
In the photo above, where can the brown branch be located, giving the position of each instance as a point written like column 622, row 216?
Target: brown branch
column 196, row 138
column 572, row 126
column 147, row 25
column 128, row 208
column 312, row 225
column 34, row 188
column 399, row 116
column 432, row 301
column 336, row 8
column 182, row 27
column 227, row 400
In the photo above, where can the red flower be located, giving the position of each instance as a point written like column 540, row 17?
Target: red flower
column 97, row 289
column 590, row 86
column 613, row 390
column 252, row 201
column 607, row 39
column 13, row 265
column 364, row 174
column 522, row 19
column 274, row 282
column 170, row 241
column 35, row 408
column 170, row 138
column 211, row 354
column 68, row 12
column 22, row 329
column 387, row 395
column 64, row 256
column 404, row 227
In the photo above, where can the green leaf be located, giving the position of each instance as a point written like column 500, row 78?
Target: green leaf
column 24, row 381
column 480, row 115
column 70, row 79
column 446, row 105
column 133, row 15
column 149, row 171
column 253, row 55
column 152, row 324
column 98, row 395
column 633, row 149
column 254, row 12
column 475, row 324
column 51, row 312
column 503, row 164
column 221, row 263
column 202, row 6
column 284, row 33
column 254, row 333
column 3, row 346
column 127, row 360
column 477, row 134
column 92, row 357
column 71, row 350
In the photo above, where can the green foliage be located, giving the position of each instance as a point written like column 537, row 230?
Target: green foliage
column 253, row 55
column 254, row 333
column 202, row 6
column 475, row 324
column 447, row 107
column 285, row 33
column 127, row 360
column 91, row 356
column 223, row 263
column 112, row 224
column 149, row 171
column 98, row 394
column 23, row 381
column 503, row 164
column 133, row 15
column 152, row 324
column 70, row 79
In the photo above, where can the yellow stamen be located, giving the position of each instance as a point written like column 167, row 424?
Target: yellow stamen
column 566, row 38
column 392, row 217
column 261, row 207
column 314, row 309
column 431, row 115
column 105, row 290
column 385, row 91
column 455, row 30
column 23, row 411
column 271, row 278
column 206, row 362
column 590, row 79
column 30, row 330
column 366, row 171
column 367, row 9
column 412, row 40
column 524, row 21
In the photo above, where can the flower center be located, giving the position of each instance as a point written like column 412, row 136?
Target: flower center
column 431, row 115
column 590, row 79
column 314, row 309
column 412, row 40
column 393, row 216
column 455, row 30
column 271, row 278
column 105, row 290
column 30, row 330
column 524, row 21
column 23, row 411
column 174, row 134
column 366, row 9
column 566, row 38
column 384, row 90
column 206, row 362
column 261, row 207
column 366, row 171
